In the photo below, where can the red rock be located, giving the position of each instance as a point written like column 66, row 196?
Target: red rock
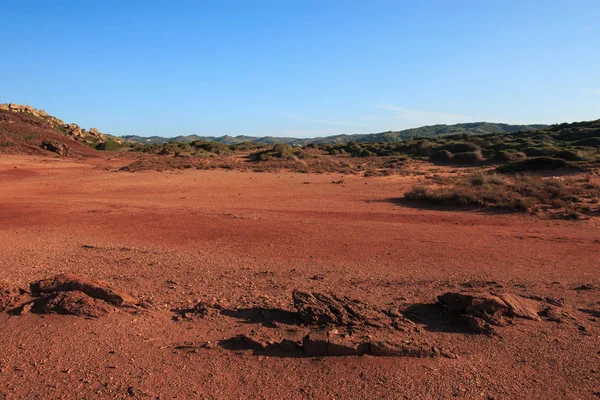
column 69, row 282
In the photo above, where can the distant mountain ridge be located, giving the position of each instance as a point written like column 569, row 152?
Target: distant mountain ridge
column 473, row 128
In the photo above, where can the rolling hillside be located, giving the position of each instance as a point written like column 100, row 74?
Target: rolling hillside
column 474, row 128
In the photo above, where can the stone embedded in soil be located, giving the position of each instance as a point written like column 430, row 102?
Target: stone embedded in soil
column 73, row 303
column 322, row 309
column 315, row 343
column 391, row 349
column 289, row 345
column 481, row 311
column 474, row 303
column 70, row 282
column 521, row 307
column 10, row 295
column 323, row 343
column 555, row 314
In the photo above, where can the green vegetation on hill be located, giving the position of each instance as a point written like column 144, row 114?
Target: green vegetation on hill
column 474, row 128
column 574, row 143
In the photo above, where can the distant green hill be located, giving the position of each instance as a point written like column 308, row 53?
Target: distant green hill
column 473, row 128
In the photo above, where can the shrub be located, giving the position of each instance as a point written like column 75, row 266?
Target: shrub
column 441, row 156
column 109, row 145
column 509, row 155
column 523, row 193
column 469, row 157
column 569, row 155
column 534, row 164
column 461, row 147
column 540, row 151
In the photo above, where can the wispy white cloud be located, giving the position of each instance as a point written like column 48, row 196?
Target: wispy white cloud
column 421, row 117
column 597, row 91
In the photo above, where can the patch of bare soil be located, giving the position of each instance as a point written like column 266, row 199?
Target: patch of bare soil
column 229, row 284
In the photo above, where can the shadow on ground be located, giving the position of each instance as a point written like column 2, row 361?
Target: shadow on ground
column 269, row 317
column 433, row 318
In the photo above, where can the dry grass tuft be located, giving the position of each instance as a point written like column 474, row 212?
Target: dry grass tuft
column 529, row 193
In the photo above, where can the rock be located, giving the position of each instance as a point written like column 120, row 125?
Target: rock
column 73, row 303
column 478, row 310
column 25, row 308
column 520, row 306
column 289, row 345
column 315, row 344
column 329, row 343
column 477, row 325
column 56, row 147
column 94, row 131
column 555, row 314
column 339, row 345
column 70, row 282
column 9, row 295
column 585, row 286
column 477, row 303
column 74, row 130
column 321, row 309
column 390, row 349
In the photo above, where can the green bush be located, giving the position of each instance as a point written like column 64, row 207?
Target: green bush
column 534, row 164
column 109, row 145
column 540, row 151
column 569, row 155
column 442, row 156
column 509, row 155
column 469, row 157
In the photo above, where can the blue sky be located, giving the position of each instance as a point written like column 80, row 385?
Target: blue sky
column 301, row 68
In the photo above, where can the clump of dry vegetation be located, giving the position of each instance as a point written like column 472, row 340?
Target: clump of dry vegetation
column 569, row 197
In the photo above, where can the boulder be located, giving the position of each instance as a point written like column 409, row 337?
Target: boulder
column 56, row 147
column 481, row 311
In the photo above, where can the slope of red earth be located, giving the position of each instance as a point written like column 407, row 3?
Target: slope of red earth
column 240, row 243
column 22, row 134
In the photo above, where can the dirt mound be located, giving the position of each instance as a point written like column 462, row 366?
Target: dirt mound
column 73, row 303
column 482, row 311
column 94, row 289
column 23, row 134
column 63, row 294
column 10, row 295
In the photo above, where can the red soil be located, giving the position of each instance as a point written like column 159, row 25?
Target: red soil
column 247, row 240
column 21, row 134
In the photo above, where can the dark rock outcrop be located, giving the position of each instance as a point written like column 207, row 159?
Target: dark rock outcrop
column 322, row 309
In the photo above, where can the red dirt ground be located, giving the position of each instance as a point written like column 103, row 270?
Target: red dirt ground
column 245, row 239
